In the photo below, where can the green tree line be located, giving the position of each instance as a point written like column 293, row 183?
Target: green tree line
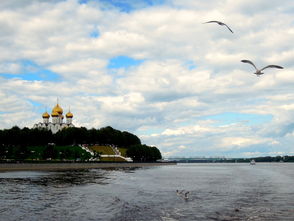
column 16, row 142
column 68, row 136
column 143, row 153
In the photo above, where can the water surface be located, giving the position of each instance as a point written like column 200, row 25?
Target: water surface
column 217, row 192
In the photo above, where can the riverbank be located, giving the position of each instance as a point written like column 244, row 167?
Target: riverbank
column 73, row 166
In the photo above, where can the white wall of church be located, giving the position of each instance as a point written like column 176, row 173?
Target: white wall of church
column 57, row 120
column 68, row 120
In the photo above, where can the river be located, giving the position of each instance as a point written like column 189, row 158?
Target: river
column 216, row 192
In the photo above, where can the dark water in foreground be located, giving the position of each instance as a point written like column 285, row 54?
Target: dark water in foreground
column 217, row 192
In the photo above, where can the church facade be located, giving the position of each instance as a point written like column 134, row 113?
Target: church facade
column 57, row 118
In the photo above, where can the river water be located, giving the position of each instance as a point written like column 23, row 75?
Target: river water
column 216, row 192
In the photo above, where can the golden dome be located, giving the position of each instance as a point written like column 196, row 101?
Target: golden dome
column 57, row 109
column 69, row 115
column 46, row 115
column 54, row 114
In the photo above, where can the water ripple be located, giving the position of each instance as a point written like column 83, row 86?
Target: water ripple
column 217, row 192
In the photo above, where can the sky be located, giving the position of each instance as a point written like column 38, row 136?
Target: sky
column 151, row 67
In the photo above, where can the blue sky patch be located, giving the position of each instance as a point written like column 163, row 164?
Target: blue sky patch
column 31, row 71
column 150, row 131
column 190, row 65
column 123, row 62
column 38, row 107
column 83, row 2
column 125, row 5
column 232, row 117
column 122, row 5
column 34, row 103
column 94, row 34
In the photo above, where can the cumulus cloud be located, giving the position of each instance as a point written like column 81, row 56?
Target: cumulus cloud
column 240, row 142
column 189, row 71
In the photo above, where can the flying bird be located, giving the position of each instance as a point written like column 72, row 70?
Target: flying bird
column 220, row 23
column 259, row 72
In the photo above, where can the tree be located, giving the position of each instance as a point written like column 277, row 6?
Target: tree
column 50, row 152
column 143, row 153
column 15, row 142
column 129, row 139
column 21, row 152
column 2, row 151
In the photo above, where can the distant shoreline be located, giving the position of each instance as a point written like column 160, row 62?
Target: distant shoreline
column 6, row 167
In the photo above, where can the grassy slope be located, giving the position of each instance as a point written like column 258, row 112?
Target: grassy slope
column 102, row 149
column 112, row 159
column 108, row 151
column 38, row 150
column 123, row 151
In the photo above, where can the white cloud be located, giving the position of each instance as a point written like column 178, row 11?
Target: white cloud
column 261, row 154
column 163, row 93
column 10, row 68
column 240, row 142
column 182, row 147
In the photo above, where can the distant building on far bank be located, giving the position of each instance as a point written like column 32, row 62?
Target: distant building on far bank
column 57, row 123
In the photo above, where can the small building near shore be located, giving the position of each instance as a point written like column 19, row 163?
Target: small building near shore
column 57, row 118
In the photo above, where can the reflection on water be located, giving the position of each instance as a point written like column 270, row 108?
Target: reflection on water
column 56, row 179
column 217, row 192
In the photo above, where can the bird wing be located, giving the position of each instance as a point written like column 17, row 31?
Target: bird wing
column 218, row 22
column 249, row 62
column 272, row 66
column 229, row 28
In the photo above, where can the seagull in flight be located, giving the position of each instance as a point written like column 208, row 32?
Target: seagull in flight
column 259, row 72
column 220, row 23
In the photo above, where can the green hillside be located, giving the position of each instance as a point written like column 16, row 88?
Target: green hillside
column 102, row 149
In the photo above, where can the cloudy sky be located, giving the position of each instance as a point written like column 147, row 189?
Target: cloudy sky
column 152, row 68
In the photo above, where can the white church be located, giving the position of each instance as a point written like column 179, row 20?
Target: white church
column 57, row 123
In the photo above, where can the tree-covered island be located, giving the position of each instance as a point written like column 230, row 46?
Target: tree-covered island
column 74, row 144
